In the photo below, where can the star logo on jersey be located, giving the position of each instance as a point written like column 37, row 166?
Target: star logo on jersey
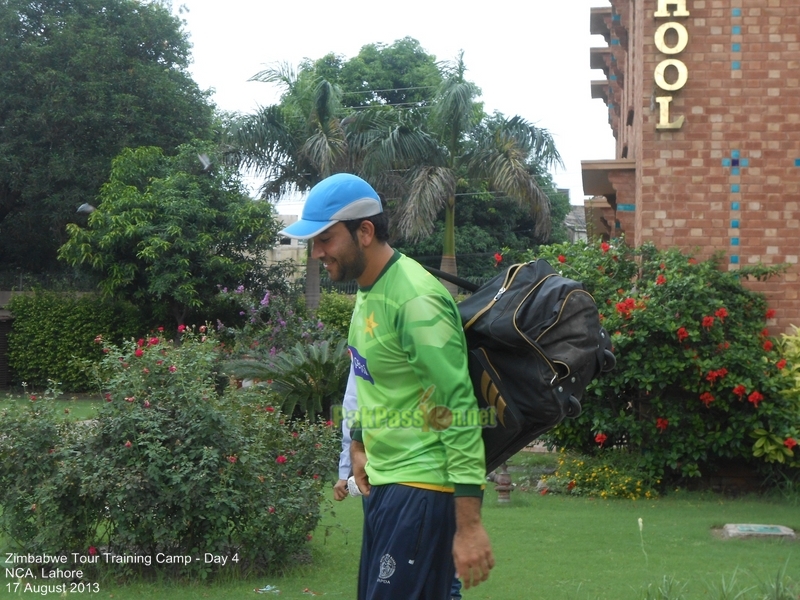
column 370, row 324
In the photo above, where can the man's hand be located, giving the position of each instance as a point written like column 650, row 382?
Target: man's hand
column 340, row 490
column 358, row 459
column 472, row 551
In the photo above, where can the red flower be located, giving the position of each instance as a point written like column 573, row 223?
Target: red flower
column 315, row 476
column 498, row 258
column 329, row 423
column 128, row 444
column 721, row 313
column 781, row 363
column 106, row 350
column 138, row 352
column 172, row 368
column 33, row 398
column 600, row 438
column 767, row 345
column 661, row 424
column 543, row 491
column 682, row 334
column 562, row 258
column 790, row 443
column 281, row 459
column 706, row 398
column 770, row 313
column 98, row 339
column 140, row 342
column 765, row 332
column 718, row 374
column 153, row 341
column 740, row 391
column 692, row 261
column 661, row 280
column 159, row 362
column 605, row 247
column 708, row 322
column 308, row 537
column 625, row 307
column 92, row 550
column 232, row 458
column 269, row 409
column 161, row 329
column 107, row 396
column 755, row 398
column 181, row 328
column 294, row 434
column 571, row 485
column 271, row 510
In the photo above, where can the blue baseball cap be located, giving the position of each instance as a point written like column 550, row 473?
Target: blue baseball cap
column 340, row 197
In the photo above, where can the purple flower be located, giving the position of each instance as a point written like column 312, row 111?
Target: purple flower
column 320, row 324
column 239, row 289
column 273, row 351
column 241, row 313
column 282, row 323
column 219, row 325
column 224, row 290
column 265, row 299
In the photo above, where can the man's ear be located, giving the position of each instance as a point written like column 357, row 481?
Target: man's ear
column 366, row 233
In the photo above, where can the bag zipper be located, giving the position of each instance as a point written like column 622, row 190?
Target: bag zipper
column 509, row 278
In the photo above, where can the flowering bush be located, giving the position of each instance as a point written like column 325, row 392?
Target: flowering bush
column 611, row 474
column 169, row 465
column 271, row 323
column 335, row 311
column 697, row 374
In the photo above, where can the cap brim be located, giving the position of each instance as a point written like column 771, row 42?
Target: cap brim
column 303, row 230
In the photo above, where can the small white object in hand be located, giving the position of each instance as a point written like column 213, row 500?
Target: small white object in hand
column 352, row 487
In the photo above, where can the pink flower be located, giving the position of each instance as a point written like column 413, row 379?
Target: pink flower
column 600, row 438
column 92, row 551
column 755, row 398
column 147, row 404
column 315, row 476
column 294, row 434
column 106, row 350
column 281, row 459
column 153, row 341
column 181, row 328
column 140, row 342
column 138, row 352
column 232, row 459
column 98, row 339
column 172, row 368
column 128, row 444
column 271, row 510
column 202, row 328
column 161, row 329
column 562, row 258
column 130, row 399
column 706, row 398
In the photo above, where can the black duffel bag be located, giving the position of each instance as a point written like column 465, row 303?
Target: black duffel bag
column 535, row 342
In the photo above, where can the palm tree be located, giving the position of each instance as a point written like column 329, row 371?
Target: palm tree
column 293, row 145
column 502, row 151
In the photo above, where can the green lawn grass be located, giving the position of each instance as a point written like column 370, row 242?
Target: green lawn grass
column 550, row 548
column 80, row 406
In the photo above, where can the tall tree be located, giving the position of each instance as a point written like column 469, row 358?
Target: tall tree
column 503, row 152
column 80, row 80
column 169, row 230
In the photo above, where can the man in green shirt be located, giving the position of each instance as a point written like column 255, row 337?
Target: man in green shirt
column 419, row 464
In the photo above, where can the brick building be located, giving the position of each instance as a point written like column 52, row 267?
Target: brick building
column 703, row 99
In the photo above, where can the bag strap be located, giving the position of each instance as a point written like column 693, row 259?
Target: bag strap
column 455, row 280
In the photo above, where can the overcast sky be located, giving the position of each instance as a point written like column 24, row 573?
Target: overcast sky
column 529, row 58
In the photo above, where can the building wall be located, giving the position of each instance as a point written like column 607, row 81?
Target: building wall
column 728, row 179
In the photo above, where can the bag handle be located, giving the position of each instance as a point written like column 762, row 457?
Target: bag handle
column 455, row 280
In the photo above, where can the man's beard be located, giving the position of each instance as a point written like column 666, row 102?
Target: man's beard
column 352, row 266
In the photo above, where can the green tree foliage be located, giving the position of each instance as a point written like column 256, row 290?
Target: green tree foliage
column 169, row 232
column 80, row 81
column 53, row 335
column 401, row 74
column 698, row 380
column 487, row 224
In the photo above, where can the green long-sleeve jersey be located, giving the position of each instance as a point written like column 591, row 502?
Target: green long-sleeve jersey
column 416, row 404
